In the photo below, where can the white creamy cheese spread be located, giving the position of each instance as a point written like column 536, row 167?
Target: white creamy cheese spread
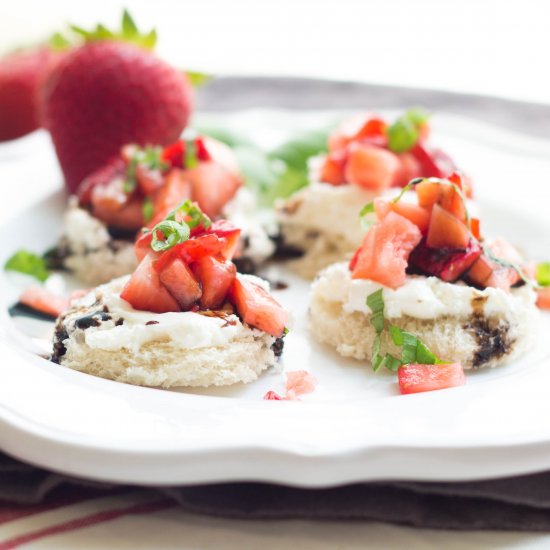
column 420, row 297
column 187, row 330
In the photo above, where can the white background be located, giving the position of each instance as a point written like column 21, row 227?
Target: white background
column 484, row 46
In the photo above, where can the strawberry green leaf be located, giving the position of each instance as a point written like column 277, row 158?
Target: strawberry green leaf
column 198, row 79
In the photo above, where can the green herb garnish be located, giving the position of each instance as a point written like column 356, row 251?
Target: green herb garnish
column 405, row 131
column 191, row 160
column 148, row 210
column 148, row 157
column 176, row 231
column 414, row 350
column 198, row 79
column 543, row 274
column 28, row 263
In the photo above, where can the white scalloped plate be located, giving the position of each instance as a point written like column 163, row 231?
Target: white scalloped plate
column 354, row 427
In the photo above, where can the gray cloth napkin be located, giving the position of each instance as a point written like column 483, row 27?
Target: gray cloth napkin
column 518, row 503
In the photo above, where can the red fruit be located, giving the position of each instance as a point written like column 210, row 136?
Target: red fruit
column 474, row 228
column 181, row 283
column 257, row 307
column 148, row 180
column 414, row 213
column 226, row 230
column 447, row 264
column 434, row 162
column 272, row 396
column 106, row 94
column 409, row 169
column 114, row 207
column 192, row 250
column 432, row 192
column 144, row 290
column 357, row 128
column 415, row 378
column 115, row 169
column 142, row 246
column 213, row 186
column 446, row 231
column 21, row 76
column 371, row 167
column 385, row 250
column 333, row 169
column 216, row 276
column 174, row 191
column 543, row 297
column 44, row 301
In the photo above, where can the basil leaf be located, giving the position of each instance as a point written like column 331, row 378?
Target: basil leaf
column 28, row 263
column 543, row 274
column 414, row 350
column 405, row 131
column 375, row 302
column 297, row 152
column 174, row 233
column 392, row 363
column 148, row 210
column 191, row 159
column 191, row 210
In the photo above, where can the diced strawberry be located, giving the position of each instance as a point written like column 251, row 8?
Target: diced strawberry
column 144, row 290
column 543, row 297
column 503, row 278
column 463, row 182
column 432, row 192
column 149, row 180
column 257, row 307
column 299, row 382
column 202, row 152
column 434, row 162
column 481, row 271
column 353, row 261
column 44, row 301
column 333, row 168
column 142, row 246
column 447, row 264
column 215, row 276
column 113, row 170
column 415, row 378
column 446, row 231
column 174, row 154
column 371, row 167
column 175, row 190
column 226, row 230
column 272, row 396
column 414, row 213
column 474, row 228
column 181, row 283
column 357, row 128
column 192, row 250
column 212, row 187
column 409, row 169
column 219, row 153
column 385, row 251
column 114, row 207
column 485, row 272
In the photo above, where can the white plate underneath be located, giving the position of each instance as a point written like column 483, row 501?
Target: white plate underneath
column 354, row 427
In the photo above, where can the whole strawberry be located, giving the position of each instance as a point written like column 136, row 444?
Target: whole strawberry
column 109, row 92
column 20, row 78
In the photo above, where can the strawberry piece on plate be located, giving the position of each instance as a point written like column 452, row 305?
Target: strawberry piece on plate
column 415, row 378
column 257, row 307
column 144, row 290
column 44, row 301
column 370, row 167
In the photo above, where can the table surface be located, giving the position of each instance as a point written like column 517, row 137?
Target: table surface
column 431, row 44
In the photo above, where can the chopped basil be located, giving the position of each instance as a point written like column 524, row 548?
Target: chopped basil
column 191, row 160
column 543, row 274
column 413, row 349
column 148, row 210
column 150, row 158
column 28, row 263
column 405, row 131
column 366, row 217
column 177, row 231
column 174, row 233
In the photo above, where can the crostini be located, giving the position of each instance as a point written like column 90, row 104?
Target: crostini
column 367, row 157
column 184, row 317
column 425, row 271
